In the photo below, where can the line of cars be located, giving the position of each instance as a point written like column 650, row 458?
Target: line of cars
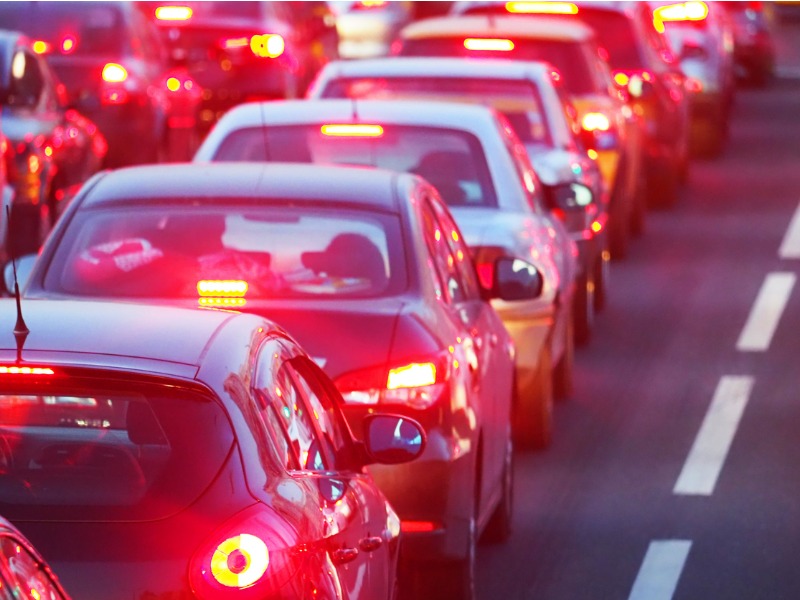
column 433, row 229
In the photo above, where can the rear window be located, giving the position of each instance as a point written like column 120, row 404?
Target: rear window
column 615, row 33
column 273, row 252
column 518, row 100
column 87, row 453
column 453, row 161
column 567, row 57
column 71, row 28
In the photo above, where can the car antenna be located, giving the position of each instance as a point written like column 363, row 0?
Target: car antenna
column 264, row 134
column 21, row 330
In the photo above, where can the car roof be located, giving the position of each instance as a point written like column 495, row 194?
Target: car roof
column 109, row 331
column 425, row 66
column 519, row 27
column 366, row 187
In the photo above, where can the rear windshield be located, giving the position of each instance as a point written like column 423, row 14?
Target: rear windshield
column 275, row 251
column 567, row 57
column 518, row 100
column 616, row 34
column 82, row 28
column 77, row 452
column 453, row 161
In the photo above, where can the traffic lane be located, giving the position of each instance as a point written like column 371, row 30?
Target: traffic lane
column 585, row 512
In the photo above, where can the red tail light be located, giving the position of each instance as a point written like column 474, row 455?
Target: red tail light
column 253, row 555
column 418, row 384
column 684, row 11
column 114, row 73
column 41, row 47
column 267, row 45
column 595, row 121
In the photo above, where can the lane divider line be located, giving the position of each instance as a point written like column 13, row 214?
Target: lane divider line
column 661, row 569
column 707, row 456
column 766, row 312
column 790, row 246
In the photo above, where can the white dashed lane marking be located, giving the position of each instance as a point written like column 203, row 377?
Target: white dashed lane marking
column 790, row 247
column 766, row 312
column 661, row 569
column 705, row 460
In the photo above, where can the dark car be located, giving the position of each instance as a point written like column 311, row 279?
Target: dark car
column 193, row 453
column 23, row 571
column 753, row 42
column 368, row 270
column 51, row 149
column 114, row 68
column 242, row 51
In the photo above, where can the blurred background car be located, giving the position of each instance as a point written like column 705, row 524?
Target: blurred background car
column 368, row 28
column 49, row 149
column 244, row 51
column 481, row 169
column 23, row 571
column 98, row 449
column 753, row 44
column 701, row 35
column 367, row 269
column 530, row 95
column 113, row 66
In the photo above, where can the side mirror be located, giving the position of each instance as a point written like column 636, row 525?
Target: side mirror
column 392, row 439
column 24, row 268
column 568, row 196
column 516, row 279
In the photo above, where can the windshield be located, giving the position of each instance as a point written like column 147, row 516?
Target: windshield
column 272, row 252
column 453, row 161
column 518, row 100
column 77, row 451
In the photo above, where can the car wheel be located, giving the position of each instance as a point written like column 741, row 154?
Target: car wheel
column 533, row 409
column 563, row 371
column 583, row 309
column 499, row 527
column 455, row 580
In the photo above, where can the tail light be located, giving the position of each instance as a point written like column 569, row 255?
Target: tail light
column 598, row 132
column 693, row 86
column 41, row 47
column 173, row 13
column 114, row 73
column 595, row 121
column 684, row 11
column 113, row 92
column 253, row 555
column 264, row 45
column 415, row 384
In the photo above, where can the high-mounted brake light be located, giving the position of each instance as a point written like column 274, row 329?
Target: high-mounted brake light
column 173, row 13
column 351, row 130
column 489, row 44
column 544, row 8
column 595, row 121
column 26, row 371
column 114, row 73
column 231, row 288
column 685, row 11
column 41, row 47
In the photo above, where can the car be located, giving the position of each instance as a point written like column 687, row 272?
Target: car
column 243, row 51
column 23, row 571
column 610, row 129
column 368, row 29
column 701, row 34
column 368, row 270
column 113, row 66
column 753, row 41
column 264, row 494
column 50, row 151
column 531, row 96
column 481, row 170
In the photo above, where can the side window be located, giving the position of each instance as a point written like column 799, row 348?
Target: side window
column 444, row 261
column 26, row 576
column 530, row 182
column 458, row 248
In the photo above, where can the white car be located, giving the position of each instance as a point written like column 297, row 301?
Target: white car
column 530, row 95
column 481, row 169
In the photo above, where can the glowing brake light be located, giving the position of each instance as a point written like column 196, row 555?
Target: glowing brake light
column 26, row 371
column 595, row 121
column 621, row 79
column 173, row 13
column 413, row 375
column 545, row 8
column 685, row 11
column 351, row 130
column 68, row 44
column 267, row 45
column 231, row 288
column 41, row 47
column 489, row 44
column 114, row 73
column 240, row 561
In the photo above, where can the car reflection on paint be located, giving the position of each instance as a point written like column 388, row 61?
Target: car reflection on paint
column 264, row 495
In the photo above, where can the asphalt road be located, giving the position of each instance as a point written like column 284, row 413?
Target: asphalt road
column 675, row 470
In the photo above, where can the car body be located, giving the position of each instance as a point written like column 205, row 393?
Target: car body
column 529, row 94
column 23, row 571
column 353, row 263
column 701, row 34
column 256, row 498
column 368, row 29
column 51, row 149
column 753, row 42
column 113, row 66
column 608, row 126
column 243, row 51
column 480, row 168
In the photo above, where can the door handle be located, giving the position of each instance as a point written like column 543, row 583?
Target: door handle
column 370, row 544
column 344, row 555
